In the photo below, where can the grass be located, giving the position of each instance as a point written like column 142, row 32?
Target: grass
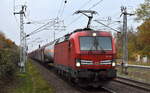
column 139, row 74
column 136, row 74
column 32, row 82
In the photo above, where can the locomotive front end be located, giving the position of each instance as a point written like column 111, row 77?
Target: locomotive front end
column 95, row 55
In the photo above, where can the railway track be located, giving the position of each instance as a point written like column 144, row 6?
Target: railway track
column 61, row 85
column 109, row 90
column 124, row 84
column 95, row 90
column 133, row 83
column 87, row 89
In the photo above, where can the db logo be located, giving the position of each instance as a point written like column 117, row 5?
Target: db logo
column 96, row 62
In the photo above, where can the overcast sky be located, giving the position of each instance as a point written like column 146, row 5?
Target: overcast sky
column 43, row 10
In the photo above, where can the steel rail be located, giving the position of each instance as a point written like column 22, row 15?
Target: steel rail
column 109, row 90
column 137, row 66
column 133, row 83
column 83, row 90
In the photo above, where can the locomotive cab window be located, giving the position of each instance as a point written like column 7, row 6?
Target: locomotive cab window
column 95, row 43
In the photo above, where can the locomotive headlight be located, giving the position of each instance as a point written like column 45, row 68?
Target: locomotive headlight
column 113, row 64
column 94, row 34
column 78, row 64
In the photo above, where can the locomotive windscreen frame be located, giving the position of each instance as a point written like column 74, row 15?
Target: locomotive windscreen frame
column 90, row 43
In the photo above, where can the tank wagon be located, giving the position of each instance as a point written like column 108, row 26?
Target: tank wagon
column 44, row 54
column 84, row 56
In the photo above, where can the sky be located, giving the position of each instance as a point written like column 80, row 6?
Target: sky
column 40, row 12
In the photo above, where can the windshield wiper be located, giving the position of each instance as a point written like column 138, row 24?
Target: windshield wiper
column 94, row 45
column 101, row 48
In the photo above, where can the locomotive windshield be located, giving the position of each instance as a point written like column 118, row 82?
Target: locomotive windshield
column 95, row 43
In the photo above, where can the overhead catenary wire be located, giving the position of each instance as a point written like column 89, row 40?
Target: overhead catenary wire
column 106, row 26
column 84, row 5
column 59, row 10
column 61, row 14
column 94, row 5
column 38, row 29
column 14, row 1
column 41, row 28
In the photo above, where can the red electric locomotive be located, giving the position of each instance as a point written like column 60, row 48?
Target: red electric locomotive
column 86, row 55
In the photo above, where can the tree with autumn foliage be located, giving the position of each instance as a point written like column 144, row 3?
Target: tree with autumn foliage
column 9, row 57
column 143, row 12
column 144, row 38
column 6, row 43
column 132, row 43
column 143, row 35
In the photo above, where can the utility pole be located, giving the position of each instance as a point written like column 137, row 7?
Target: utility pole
column 25, row 47
column 22, row 39
column 125, row 40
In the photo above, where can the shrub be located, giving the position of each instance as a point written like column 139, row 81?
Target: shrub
column 8, row 67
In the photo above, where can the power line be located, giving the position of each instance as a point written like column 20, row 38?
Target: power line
column 85, row 4
column 14, row 1
column 59, row 10
column 74, row 20
column 52, row 22
column 63, row 8
column 106, row 26
column 94, row 5
column 38, row 29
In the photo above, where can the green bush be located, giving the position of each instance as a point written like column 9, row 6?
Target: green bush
column 8, row 65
